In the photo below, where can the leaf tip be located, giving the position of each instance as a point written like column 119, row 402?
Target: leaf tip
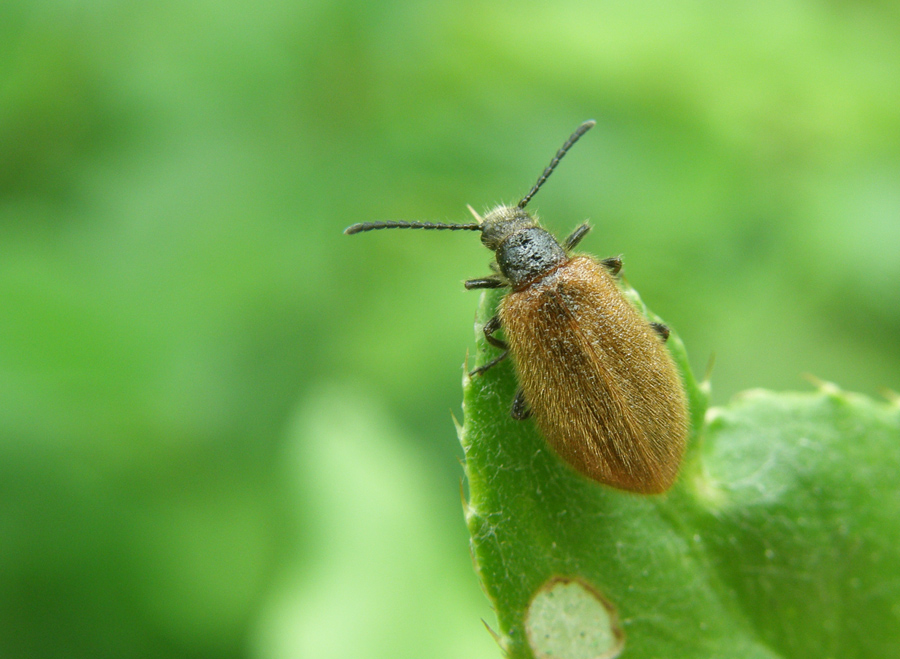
column 497, row 638
column 824, row 386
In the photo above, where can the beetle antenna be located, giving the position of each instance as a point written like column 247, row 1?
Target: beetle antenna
column 371, row 226
column 582, row 129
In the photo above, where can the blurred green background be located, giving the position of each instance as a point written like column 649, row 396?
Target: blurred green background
column 225, row 428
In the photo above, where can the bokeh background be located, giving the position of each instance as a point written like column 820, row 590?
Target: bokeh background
column 225, row 428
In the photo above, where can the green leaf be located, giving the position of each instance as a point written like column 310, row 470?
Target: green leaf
column 781, row 537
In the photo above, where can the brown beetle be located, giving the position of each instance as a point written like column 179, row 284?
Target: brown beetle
column 593, row 372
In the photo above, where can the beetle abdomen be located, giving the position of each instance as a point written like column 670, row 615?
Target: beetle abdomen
column 601, row 385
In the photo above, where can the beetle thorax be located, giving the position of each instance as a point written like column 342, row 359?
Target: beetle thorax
column 525, row 251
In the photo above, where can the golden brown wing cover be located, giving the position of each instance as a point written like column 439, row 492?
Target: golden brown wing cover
column 600, row 383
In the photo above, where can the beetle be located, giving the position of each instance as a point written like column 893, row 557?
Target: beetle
column 593, row 372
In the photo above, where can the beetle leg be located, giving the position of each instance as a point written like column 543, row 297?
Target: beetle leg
column 662, row 330
column 520, row 410
column 613, row 264
column 487, row 282
column 576, row 236
column 489, row 328
column 491, row 364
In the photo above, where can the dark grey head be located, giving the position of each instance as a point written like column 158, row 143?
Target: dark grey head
column 524, row 250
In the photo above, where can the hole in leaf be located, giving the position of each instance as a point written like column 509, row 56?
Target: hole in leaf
column 569, row 619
